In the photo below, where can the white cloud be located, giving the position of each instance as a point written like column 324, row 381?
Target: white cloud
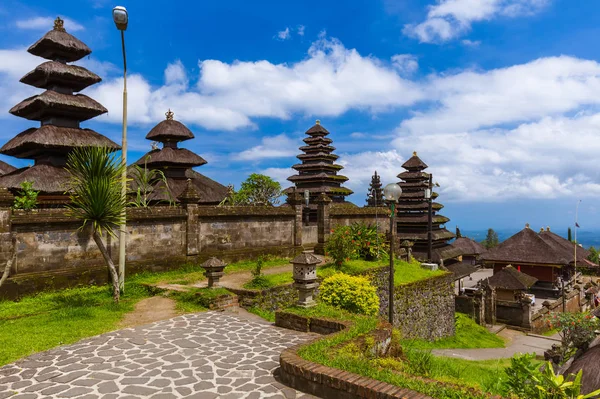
column 300, row 30
column 284, row 34
column 471, row 43
column 46, row 23
column 176, row 74
column 279, row 146
column 449, row 19
column 280, row 175
column 406, row 64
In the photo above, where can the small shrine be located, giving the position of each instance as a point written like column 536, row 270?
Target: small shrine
column 59, row 112
column 412, row 214
column 318, row 173
column 176, row 164
column 375, row 194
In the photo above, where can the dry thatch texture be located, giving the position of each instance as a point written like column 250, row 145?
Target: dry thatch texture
column 170, row 130
column 317, row 147
column 6, row 168
column 407, row 176
column 56, row 73
column 51, row 103
column 167, row 156
column 317, row 140
column 468, row 246
column 317, row 156
column 414, row 164
column 510, row 278
column 436, row 235
column 317, row 130
column 210, row 191
column 447, row 251
column 318, row 177
column 417, row 195
column 419, row 206
column 461, row 269
column 321, row 189
column 566, row 246
column 36, row 141
column 411, row 218
column 48, row 179
column 589, row 362
column 59, row 45
column 526, row 247
column 317, row 165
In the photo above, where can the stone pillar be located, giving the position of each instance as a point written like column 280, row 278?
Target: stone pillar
column 305, row 278
column 6, row 235
column 189, row 200
column 294, row 199
column 490, row 305
column 323, row 222
column 213, row 270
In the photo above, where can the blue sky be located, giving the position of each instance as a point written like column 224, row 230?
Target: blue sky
column 500, row 97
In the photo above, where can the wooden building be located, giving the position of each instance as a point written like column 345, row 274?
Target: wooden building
column 509, row 283
column 176, row 164
column 471, row 250
column 412, row 215
column 59, row 112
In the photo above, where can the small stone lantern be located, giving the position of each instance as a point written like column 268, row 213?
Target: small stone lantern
column 305, row 278
column 213, row 271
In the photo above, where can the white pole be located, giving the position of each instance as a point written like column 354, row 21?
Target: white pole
column 122, row 232
column 575, row 251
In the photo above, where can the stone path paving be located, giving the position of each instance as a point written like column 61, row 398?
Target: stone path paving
column 203, row 355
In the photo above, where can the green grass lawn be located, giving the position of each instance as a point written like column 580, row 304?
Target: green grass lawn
column 269, row 280
column 468, row 335
column 46, row 320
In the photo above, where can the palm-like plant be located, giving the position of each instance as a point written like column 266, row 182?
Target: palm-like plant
column 96, row 200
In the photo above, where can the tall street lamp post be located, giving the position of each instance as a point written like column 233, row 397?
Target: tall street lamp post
column 428, row 196
column 121, row 19
column 392, row 193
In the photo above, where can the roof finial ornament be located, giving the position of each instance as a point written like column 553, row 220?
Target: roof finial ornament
column 414, row 153
column 59, row 24
column 169, row 114
column 526, row 225
column 547, row 228
column 318, row 122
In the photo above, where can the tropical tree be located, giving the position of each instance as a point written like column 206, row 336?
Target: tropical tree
column 491, row 239
column 146, row 181
column 95, row 193
column 257, row 189
column 569, row 235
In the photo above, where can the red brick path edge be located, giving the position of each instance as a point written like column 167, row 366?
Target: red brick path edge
column 328, row 382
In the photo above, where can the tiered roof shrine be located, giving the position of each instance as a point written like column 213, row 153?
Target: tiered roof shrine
column 375, row 194
column 177, row 163
column 59, row 112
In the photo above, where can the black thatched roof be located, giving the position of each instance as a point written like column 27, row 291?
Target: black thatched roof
column 422, row 218
column 407, row 176
column 510, row 278
column 438, row 254
column 36, row 141
column 317, row 130
column 46, row 178
column 321, row 189
column 176, row 157
column 526, row 247
column 562, row 244
column 170, row 130
column 317, row 166
column 318, row 140
column 57, row 44
column 318, row 177
column 436, row 235
column 51, row 103
column 6, row 168
column 211, row 192
column 414, row 163
column 56, row 73
column 589, row 362
column 469, row 246
column 461, row 269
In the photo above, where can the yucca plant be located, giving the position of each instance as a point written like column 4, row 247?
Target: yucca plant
column 95, row 193
column 146, row 181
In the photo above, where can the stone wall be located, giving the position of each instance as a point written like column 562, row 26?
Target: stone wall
column 423, row 309
column 573, row 303
column 270, row 299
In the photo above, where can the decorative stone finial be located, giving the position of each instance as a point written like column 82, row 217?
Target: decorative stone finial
column 526, row 225
column 318, row 122
column 169, row 114
column 190, row 195
column 547, row 228
column 414, row 153
column 59, row 24
column 541, row 229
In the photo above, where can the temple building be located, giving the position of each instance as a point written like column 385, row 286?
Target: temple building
column 176, row 164
column 471, row 250
column 318, row 173
column 375, row 194
column 412, row 215
column 59, row 112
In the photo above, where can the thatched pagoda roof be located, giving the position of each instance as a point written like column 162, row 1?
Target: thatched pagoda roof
column 36, row 141
column 469, row 246
column 436, row 235
column 170, row 130
column 317, row 165
column 407, row 176
column 562, row 244
column 51, row 103
column 317, row 148
column 526, row 247
column 318, row 140
column 210, row 191
column 317, row 130
column 322, row 189
column 56, row 73
column 438, row 254
column 318, row 177
column 422, row 218
column 57, row 44
column 167, row 156
column 317, row 156
column 46, row 178
column 510, row 278
column 461, row 269
column 6, row 168
column 414, row 163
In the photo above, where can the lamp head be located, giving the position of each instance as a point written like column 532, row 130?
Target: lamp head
column 120, row 17
column 306, row 196
column 392, row 192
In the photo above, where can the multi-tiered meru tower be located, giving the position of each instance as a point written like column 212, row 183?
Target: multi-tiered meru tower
column 318, row 173
column 412, row 214
column 59, row 112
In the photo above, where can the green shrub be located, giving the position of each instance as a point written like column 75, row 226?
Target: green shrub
column 27, row 197
column 368, row 242
column 352, row 293
column 340, row 246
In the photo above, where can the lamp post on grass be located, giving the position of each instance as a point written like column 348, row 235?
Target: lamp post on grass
column 392, row 193
column 121, row 19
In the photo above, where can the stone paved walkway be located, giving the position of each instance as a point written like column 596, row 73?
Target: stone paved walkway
column 203, row 355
